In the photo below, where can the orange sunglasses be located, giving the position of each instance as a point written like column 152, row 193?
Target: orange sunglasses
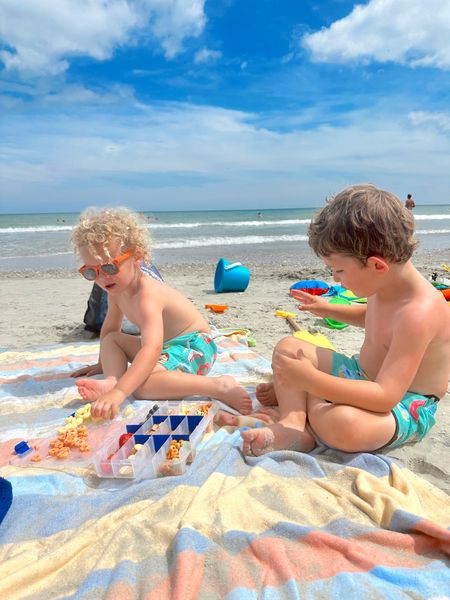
column 112, row 268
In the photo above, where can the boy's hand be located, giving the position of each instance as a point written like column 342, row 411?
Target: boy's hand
column 313, row 304
column 107, row 406
column 290, row 371
column 88, row 371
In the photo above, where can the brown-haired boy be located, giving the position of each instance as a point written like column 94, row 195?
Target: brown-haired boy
column 388, row 395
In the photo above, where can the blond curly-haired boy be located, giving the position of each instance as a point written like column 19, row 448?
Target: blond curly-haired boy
column 175, row 350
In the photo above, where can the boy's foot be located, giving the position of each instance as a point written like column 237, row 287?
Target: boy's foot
column 226, row 419
column 91, row 389
column 234, row 394
column 265, row 393
column 268, row 414
column 263, row 415
column 276, row 437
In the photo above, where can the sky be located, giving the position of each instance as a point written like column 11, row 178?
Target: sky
column 221, row 104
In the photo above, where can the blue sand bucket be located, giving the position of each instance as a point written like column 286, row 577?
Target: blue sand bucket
column 231, row 277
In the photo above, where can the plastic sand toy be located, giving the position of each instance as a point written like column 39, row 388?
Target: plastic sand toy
column 217, row 308
column 331, row 322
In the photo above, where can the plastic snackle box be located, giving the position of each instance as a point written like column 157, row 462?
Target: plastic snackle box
column 164, row 444
column 37, row 452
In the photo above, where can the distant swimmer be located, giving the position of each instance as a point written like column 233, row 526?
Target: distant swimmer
column 260, row 215
column 409, row 203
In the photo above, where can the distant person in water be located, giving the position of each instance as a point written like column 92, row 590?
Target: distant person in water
column 409, row 203
column 260, row 215
column 175, row 349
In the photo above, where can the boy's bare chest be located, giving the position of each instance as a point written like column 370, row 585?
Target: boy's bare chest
column 379, row 326
column 130, row 311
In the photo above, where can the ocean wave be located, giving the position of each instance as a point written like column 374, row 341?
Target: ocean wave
column 440, row 217
column 197, row 243
column 153, row 226
column 259, row 223
column 212, row 241
column 432, row 231
column 41, row 229
column 46, row 255
column 230, row 241
column 199, row 224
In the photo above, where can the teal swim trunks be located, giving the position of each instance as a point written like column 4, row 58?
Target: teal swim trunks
column 193, row 353
column 414, row 414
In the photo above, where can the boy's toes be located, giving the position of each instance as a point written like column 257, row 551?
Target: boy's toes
column 248, row 436
column 247, row 407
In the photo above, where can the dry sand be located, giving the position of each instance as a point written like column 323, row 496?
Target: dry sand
column 48, row 308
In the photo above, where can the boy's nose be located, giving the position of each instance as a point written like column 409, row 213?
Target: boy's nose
column 102, row 276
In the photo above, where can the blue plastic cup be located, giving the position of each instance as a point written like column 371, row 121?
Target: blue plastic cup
column 231, row 277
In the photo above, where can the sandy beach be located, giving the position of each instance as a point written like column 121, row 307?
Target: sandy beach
column 47, row 307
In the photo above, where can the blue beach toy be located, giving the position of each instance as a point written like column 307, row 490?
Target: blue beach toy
column 231, row 277
column 22, row 448
column 311, row 286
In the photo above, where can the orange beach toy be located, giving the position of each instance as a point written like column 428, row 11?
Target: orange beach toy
column 217, row 308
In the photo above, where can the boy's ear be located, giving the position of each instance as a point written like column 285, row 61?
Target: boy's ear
column 379, row 264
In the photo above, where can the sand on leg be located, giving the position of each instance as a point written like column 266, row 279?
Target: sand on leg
column 321, row 358
column 290, row 431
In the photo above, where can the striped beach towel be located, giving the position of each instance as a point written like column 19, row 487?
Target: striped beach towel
column 283, row 525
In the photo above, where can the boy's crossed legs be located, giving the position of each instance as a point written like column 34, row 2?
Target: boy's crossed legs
column 302, row 416
column 118, row 349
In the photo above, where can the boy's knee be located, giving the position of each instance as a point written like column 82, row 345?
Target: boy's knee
column 112, row 336
column 288, row 345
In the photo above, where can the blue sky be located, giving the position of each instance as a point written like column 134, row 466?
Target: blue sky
column 197, row 104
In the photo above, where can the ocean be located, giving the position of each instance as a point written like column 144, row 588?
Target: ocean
column 41, row 241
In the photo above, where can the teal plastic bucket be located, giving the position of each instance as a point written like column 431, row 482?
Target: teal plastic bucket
column 231, row 277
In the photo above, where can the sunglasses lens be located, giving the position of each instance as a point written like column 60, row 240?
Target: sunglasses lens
column 89, row 274
column 110, row 269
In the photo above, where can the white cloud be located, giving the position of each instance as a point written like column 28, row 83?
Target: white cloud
column 174, row 20
column 207, row 56
column 223, row 153
column 439, row 120
column 41, row 35
column 411, row 32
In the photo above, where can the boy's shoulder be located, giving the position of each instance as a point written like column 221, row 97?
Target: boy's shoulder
column 425, row 309
column 150, row 283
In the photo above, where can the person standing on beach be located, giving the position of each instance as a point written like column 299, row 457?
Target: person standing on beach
column 174, row 352
column 409, row 202
column 388, row 395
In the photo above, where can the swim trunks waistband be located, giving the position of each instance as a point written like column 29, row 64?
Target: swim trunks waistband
column 432, row 397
